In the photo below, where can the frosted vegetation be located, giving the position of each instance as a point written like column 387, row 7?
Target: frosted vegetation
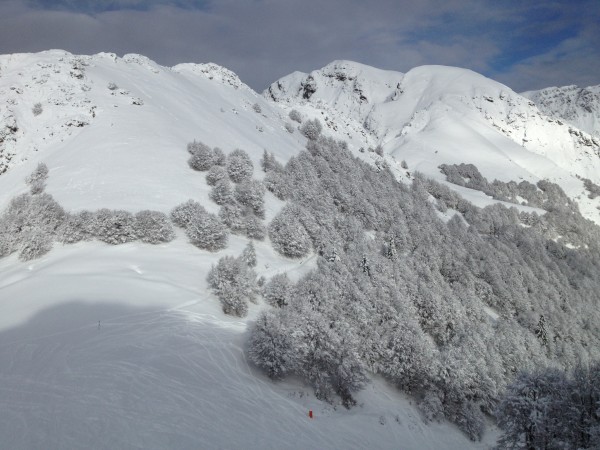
column 592, row 188
column 460, row 315
column 34, row 221
column 548, row 409
column 450, row 313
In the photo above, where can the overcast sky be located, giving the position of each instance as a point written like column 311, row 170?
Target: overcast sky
column 526, row 44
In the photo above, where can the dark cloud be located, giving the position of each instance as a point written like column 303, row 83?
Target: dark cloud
column 524, row 44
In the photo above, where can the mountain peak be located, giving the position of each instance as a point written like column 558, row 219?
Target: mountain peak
column 577, row 106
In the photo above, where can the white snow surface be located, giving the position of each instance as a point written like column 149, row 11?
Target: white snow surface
column 123, row 346
column 436, row 115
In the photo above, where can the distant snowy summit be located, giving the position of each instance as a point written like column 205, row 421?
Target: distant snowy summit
column 435, row 115
column 579, row 107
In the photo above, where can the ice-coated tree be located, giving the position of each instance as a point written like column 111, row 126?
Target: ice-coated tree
column 186, row 213
column 249, row 255
column 204, row 230
column 278, row 185
column 239, row 166
column 311, row 129
column 215, row 174
column 203, row 157
column 233, row 216
column 114, row 226
column 234, row 283
column 540, row 331
column 277, row 290
column 530, row 414
column 35, row 218
column 207, row 232
column 271, row 346
column 592, row 188
column 222, row 192
column 37, row 179
column 251, row 193
column 288, row 235
column 295, row 116
column 77, row 227
column 37, row 109
column 269, row 163
column 219, row 157
column 38, row 243
column 195, row 146
column 153, row 227
column 254, row 227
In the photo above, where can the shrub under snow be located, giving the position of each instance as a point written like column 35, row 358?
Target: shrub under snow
column 239, row 166
column 114, row 226
column 153, row 227
column 203, row 157
column 288, row 235
column 311, row 129
column 37, row 179
column 204, row 230
column 234, row 282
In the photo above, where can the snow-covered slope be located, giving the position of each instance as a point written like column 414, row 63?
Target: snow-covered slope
column 87, row 130
column 436, row 115
column 576, row 106
column 123, row 346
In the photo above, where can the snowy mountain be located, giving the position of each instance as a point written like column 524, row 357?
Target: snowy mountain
column 579, row 107
column 436, row 115
column 126, row 346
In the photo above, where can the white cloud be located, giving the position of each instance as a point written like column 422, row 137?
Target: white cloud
column 265, row 39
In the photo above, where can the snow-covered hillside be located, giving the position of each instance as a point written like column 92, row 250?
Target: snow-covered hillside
column 125, row 346
column 579, row 107
column 436, row 115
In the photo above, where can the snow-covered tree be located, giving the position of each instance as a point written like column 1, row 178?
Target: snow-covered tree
column 37, row 179
column 207, row 232
column 311, row 129
column 204, row 230
column 77, row 227
column 277, row 290
column 239, row 166
column 531, row 411
column 29, row 224
column 249, row 255
column 288, row 235
column 153, row 227
column 215, row 174
column 114, row 226
column 271, row 346
column 203, row 157
column 222, row 192
column 234, row 282
column 251, row 193
column 295, row 116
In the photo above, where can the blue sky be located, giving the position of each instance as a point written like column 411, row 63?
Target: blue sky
column 525, row 44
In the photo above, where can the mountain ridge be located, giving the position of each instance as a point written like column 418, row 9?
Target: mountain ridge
column 113, row 134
